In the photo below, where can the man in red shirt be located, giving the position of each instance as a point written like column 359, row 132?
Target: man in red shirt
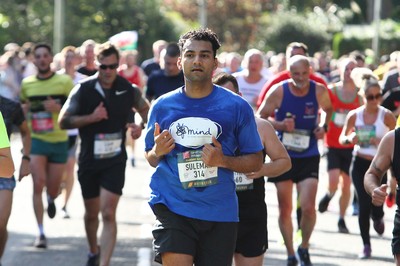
column 292, row 49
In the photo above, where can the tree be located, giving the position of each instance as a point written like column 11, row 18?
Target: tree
column 289, row 26
column 23, row 20
column 235, row 22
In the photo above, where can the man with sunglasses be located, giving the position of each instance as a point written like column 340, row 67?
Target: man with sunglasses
column 100, row 107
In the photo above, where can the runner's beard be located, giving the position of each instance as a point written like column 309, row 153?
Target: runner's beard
column 44, row 71
column 299, row 85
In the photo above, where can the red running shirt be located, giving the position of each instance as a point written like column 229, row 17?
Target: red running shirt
column 340, row 110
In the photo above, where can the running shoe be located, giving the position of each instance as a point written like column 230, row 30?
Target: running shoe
column 356, row 209
column 40, row 242
column 65, row 213
column 298, row 237
column 366, row 253
column 379, row 226
column 390, row 200
column 342, row 226
column 93, row 260
column 304, row 257
column 324, row 203
column 291, row 261
column 51, row 209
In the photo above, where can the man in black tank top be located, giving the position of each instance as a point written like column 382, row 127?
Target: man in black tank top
column 388, row 153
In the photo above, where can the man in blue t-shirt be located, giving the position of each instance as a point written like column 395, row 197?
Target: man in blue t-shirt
column 192, row 135
column 100, row 107
column 169, row 77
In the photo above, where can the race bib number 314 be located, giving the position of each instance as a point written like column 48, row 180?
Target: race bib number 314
column 193, row 172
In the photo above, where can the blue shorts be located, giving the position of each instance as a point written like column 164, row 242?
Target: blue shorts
column 7, row 183
column 56, row 152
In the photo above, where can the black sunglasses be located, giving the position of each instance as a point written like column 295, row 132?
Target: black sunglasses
column 373, row 97
column 113, row 66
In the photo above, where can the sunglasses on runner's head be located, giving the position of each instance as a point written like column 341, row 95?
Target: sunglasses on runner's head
column 113, row 66
column 373, row 97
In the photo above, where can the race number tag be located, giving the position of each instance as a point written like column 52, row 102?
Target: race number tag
column 339, row 118
column 364, row 134
column 107, row 145
column 193, row 172
column 242, row 182
column 298, row 140
column 42, row 122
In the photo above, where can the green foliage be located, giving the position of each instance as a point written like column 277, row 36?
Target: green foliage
column 235, row 22
column 286, row 27
column 23, row 20
column 240, row 25
column 359, row 37
column 342, row 45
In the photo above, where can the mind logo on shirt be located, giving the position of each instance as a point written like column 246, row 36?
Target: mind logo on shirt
column 194, row 132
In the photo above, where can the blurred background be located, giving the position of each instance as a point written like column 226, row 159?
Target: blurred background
column 341, row 26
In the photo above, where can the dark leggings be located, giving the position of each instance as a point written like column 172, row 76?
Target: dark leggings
column 359, row 167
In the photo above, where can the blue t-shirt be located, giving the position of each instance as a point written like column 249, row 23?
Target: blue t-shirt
column 159, row 83
column 192, row 123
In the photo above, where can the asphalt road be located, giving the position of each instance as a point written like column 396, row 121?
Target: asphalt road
column 67, row 243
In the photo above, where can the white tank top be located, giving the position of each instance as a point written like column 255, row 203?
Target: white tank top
column 250, row 91
column 365, row 132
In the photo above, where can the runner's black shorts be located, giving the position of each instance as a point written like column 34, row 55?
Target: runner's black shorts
column 339, row 159
column 252, row 239
column 111, row 178
column 396, row 227
column 210, row 243
column 302, row 168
